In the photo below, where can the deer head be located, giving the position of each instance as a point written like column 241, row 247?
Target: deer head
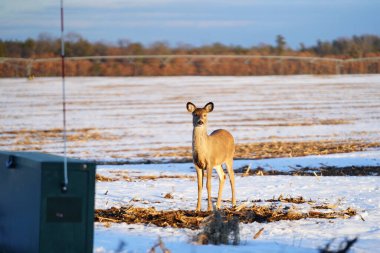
column 200, row 114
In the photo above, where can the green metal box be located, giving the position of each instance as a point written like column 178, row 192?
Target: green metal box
column 35, row 214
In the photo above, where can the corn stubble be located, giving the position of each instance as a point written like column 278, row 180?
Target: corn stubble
column 192, row 219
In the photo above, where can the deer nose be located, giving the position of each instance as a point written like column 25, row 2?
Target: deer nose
column 200, row 122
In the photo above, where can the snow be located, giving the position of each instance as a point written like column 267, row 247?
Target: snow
column 308, row 235
column 367, row 158
column 136, row 116
column 143, row 243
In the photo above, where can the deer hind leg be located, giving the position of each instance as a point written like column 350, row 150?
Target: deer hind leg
column 231, row 174
column 200, row 187
column 222, row 179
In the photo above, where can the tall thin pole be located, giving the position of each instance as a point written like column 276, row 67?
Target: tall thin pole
column 65, row 180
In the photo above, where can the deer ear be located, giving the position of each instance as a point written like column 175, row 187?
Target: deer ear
column 209, row 107
column 190, row 107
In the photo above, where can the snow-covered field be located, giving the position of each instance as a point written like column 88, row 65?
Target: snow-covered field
column 125, row 118
column 307, row 235
column 112, row 119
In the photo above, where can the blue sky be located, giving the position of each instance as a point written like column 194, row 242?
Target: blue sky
column 195, row 22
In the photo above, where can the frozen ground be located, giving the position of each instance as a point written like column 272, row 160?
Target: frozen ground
column 125, row 118
column 131, row 118
column 361, row 193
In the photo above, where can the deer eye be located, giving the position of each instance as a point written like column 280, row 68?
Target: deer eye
column 204, row 115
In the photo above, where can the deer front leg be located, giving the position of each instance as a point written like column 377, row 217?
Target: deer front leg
column 208, row 185
column 222, row 179
column 200, row 186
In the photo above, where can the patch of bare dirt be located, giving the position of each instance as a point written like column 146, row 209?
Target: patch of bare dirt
column 306, row 171
column 341, row 171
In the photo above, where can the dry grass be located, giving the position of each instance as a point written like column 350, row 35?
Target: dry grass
column 294, row 200
column 101, row 178
column 273, row 149
column 258, row 234
column 193, row 219
column 25, row 137
column 153, row 177
column 296, row 149
column 124, row 177
column 168, row 196
column 283, row 123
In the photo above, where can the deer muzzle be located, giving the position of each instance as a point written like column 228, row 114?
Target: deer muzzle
column 200, row 122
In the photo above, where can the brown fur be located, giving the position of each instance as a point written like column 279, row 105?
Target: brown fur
column 211, row 151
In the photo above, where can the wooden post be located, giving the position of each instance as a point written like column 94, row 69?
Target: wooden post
column 29, row 66
column 338, row 67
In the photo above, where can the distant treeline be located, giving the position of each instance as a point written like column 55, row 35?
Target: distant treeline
column 46, row 46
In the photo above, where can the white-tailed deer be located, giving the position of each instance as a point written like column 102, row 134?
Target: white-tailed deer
column 211, row 151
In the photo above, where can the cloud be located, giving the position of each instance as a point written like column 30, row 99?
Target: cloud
column 9, row 8
column 207, row 23
column 116, row 4
column 172, row 23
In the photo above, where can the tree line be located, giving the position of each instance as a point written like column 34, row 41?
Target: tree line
column 46, row 46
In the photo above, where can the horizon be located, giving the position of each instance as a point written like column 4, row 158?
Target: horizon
column 192, row 22
column 73, row 37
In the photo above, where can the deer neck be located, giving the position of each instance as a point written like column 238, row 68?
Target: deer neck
column 200, row 139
